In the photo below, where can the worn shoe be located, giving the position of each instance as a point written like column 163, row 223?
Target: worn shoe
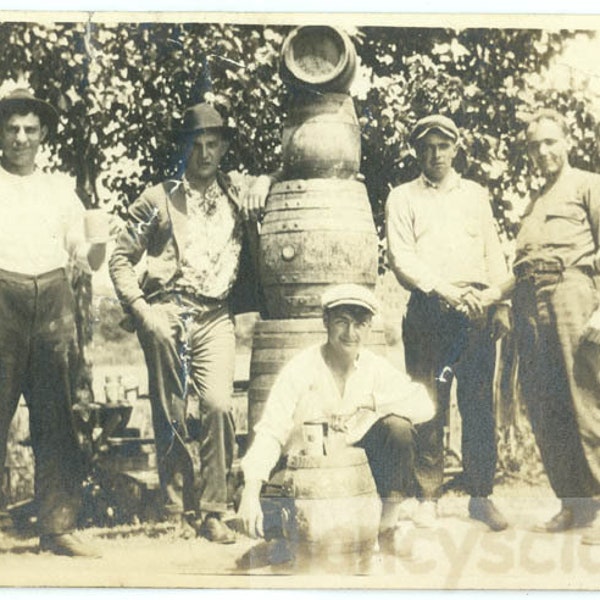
column 215, row 530
column 393, row 542
column 562, row 521
column 592, row 536
column 483, row 509
column 425, row 515
column 67, row 544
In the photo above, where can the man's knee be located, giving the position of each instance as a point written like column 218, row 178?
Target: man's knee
column 216, row 403
column 398, row 430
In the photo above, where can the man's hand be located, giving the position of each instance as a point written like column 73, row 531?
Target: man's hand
column 463, row 299
column 254, row 202
column 490, row 296
column 451, row 294
column 591, row 331
column 501, row 322
column 160, row 321
column 249, row 512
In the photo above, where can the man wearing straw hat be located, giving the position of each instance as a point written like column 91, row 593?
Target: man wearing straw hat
column 199, row 272
column 42, row 232
column 443, row 247
column 360, row 395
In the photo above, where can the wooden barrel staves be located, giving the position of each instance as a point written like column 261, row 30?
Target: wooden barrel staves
column 334, row 512
column 315, row 233
column 274, row 343
column 321, row 137
column 320, row 57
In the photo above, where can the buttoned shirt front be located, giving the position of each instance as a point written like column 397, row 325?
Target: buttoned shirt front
column 443, row 234
column 41, row 223
column 211, row 250
column 305, row 390
column 563, row 222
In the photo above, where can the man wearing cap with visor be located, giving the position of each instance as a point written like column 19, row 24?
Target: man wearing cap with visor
column 199, row 272
column 444, row 248
column 359, row 394
column 42, row 235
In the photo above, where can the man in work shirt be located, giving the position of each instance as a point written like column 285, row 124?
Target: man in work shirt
column 42, row 229
column 199, row 272
column 443, row 247
column 357, row 393
column 557, row 321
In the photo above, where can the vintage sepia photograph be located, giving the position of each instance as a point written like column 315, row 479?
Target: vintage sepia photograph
column 299, row 301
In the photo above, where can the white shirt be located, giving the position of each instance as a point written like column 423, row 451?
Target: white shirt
column 443, row 233
column 305, row 390
column 41, row 223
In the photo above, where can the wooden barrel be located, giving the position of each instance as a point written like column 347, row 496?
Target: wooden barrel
column 274, row 343
column 321, row 137
column 314, row 234
column 318, row 57
column 329, row 507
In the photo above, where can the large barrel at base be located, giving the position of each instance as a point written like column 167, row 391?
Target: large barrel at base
column 321, row 137
column 315, row 233
column 274, row 343
column 318, row 57
column 337, row 509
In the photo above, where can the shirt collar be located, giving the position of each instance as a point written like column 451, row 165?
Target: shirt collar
column 451, row 182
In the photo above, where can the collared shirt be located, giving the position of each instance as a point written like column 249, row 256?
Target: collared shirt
column 443, row 233
column 210, row 254
column 305, row 390
column 41, row 223
column 563, row 222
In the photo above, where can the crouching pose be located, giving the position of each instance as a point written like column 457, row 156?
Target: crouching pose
column 357, row 393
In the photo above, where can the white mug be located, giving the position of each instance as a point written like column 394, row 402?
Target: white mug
column 97, row 226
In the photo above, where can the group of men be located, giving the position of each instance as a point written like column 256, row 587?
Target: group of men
column 443, row 247
column 198, row 235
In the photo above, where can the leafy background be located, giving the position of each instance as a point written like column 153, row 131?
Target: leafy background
column 121, row 90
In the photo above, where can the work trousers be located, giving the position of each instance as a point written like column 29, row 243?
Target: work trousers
column 36, row 330
column 559, row 377
column 441, row 344
column 199, row 357
column 390, row 448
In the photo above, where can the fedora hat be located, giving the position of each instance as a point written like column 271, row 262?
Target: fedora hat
column 22, row 98
column 203, row 117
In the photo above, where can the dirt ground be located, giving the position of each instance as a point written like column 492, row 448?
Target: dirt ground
column 458, row 553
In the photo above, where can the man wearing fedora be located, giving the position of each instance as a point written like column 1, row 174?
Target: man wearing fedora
column 200, row 246
column 42, row 233
column 443, row 247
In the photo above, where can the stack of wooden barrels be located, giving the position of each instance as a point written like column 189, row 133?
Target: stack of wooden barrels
column 318, row 226
column 317, row 231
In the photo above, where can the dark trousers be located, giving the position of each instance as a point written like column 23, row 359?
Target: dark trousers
column 434, row 338
column 201, row 355
column 36, row 330
column 390, row 449
column 560, row 377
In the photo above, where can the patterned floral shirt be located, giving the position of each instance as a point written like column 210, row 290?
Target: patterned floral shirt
column 210, row 255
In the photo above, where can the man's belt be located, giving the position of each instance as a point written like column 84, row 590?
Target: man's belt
column 530, row 268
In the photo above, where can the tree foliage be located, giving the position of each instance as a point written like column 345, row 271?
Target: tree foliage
column 121, row 89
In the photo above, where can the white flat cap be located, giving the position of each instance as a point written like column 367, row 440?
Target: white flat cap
column 349, row 294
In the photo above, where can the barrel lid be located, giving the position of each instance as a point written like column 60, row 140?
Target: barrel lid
column 316, row 54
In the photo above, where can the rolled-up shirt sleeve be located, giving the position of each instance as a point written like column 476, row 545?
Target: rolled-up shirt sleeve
column 411, row 271
column 396, row 393
column 495, row 260
column 75, row 242
column 274, row 427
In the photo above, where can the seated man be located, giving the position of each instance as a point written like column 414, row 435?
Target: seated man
column 356, row 392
